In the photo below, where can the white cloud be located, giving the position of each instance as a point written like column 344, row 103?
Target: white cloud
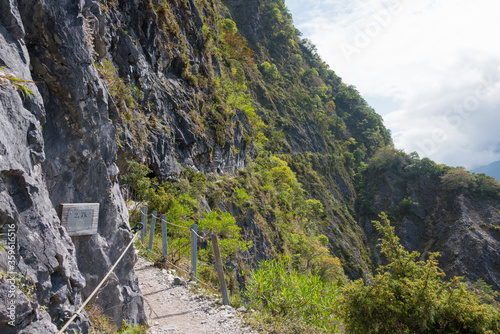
column 429, row 57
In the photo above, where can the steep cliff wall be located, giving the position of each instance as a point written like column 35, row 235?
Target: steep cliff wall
column 433, row 212
column 71, row 160
column 39, row 247
column 177, row 118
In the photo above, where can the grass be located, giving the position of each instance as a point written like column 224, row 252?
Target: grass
column 101, row 324
column 291, row 302
column 18, row 83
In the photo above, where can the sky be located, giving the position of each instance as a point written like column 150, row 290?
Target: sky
column 430, row 68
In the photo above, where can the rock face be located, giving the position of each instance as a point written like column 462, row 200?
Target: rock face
column 247, row 15
column 463, row 228
column 71, row 160
column 159, row 62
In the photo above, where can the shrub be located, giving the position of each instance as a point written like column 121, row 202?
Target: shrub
column 137, row 179
column 410, row 296
column 229, row 25
column 457, row 180
column 224, row 225
column 269, row 70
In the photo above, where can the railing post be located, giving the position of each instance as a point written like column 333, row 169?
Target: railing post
column 164, row 234
column 152, row 232
column 194, row 248
column 144, row 221
column 220, row 270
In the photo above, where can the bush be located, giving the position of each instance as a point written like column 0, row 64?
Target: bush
column 269, row 70
column 409, row 296
column 457, row 180
column 229, row 25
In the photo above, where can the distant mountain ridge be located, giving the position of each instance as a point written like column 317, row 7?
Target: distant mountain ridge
column 492, row 170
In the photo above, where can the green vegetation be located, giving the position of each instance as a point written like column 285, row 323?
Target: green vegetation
column 127, row 98
column 410, row 296
column 23, row 282
column 267, row 190
column 406, row 295
column 459, row 180
column 383, row 184
column 101, row 324
column 18, row 83
column 292, row 302
column 124, row 95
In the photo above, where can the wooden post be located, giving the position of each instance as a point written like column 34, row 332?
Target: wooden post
column 194, row 249
column 144, row 221
column 220, row 271
column 152, row 232
column 164, row 234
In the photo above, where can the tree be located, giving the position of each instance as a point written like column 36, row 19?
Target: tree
column 229, row 25
column 269, row 70
column 486, row 186
column 410, row 296
column 457, row 180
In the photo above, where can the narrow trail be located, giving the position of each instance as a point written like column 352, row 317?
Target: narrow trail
column 172, row 308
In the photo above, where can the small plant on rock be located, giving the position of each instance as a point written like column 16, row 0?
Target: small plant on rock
column 7, row 79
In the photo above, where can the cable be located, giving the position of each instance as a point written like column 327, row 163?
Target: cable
column 184, row 271
column 184, row 227
column 159, row 218
column 98, row 287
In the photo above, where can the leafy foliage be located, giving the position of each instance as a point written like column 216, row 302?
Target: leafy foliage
column 410, row 296
column 224, row 225
column 458, row 180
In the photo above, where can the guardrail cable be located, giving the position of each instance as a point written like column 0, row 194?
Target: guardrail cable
column 76, row 314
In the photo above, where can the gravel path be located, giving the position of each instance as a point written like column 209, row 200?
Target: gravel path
column 172, row 308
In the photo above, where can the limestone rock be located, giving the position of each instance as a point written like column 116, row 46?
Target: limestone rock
column 56, row 146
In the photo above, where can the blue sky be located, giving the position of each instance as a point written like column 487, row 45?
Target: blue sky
column 430, row 68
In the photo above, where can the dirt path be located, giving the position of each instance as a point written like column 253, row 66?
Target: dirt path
column 172, row 308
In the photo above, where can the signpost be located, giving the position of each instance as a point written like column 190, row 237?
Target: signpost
column 80, row 218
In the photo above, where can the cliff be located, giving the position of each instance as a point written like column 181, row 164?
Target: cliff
column 435, row 208
column 58, row 146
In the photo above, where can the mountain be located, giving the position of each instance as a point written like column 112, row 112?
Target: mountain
column 493, row 170
column 215, row 112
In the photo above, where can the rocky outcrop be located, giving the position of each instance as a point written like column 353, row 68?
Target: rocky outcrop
column 39, row 248
column 247, row 16
column 465, row 236
column 161, row 62
column 462, row 227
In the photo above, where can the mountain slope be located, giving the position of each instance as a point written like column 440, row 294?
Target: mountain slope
column 492, row 170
